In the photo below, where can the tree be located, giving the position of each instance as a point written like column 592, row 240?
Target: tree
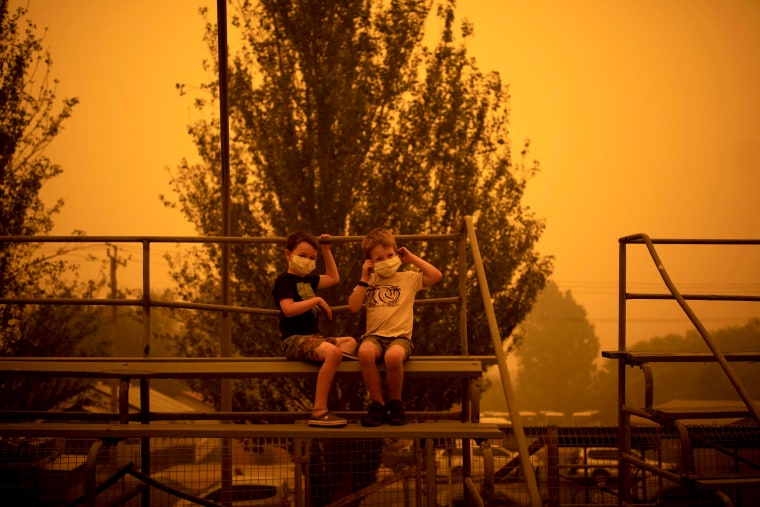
column 556, row 352
column 30, row 118
column 342, row 120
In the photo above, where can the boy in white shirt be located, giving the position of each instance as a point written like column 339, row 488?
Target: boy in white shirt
column 388, row 295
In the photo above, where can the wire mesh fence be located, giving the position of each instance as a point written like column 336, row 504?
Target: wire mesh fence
column 573, row 466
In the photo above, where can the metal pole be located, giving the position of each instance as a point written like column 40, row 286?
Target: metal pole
column 224, row 152
column 225, row 161
column 144, row 383
column 506, row 380
column 624, row 418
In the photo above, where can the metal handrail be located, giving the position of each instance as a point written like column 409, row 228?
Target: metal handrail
column 146, row 302
column 624, row 427
column 467, row 234
column 506, row 380
column 676, row 294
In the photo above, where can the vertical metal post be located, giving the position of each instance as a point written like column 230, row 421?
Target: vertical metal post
column 146, row 297
column 224, row 152
column 552, row 466
column 114, row 261
column 624, row 419
column 225, row 161
column 430, row 485
column 419, row 467
column 301, row 460
column 622, row 246
column 462, row 255
column 145, row 441
column 467, row 409
column 145, row 383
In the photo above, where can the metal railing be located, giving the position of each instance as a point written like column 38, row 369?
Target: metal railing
column 672, row 293
column 146, row 302
column 682, row 299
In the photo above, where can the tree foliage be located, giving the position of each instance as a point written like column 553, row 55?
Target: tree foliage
column 556, row 352
column 342, row 119
column 30, row 118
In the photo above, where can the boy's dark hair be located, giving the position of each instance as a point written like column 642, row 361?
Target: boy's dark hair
column 378, row 237
column 294, row 238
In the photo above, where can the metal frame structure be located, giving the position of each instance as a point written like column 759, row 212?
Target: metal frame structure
column 464, row 367
column 677, row 420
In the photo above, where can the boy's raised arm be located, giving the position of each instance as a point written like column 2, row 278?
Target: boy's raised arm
column 331, row 276
column 430, row 274
column 356, row 299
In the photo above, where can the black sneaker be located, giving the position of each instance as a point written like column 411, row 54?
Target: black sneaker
column 376, row 415
column 396, row 415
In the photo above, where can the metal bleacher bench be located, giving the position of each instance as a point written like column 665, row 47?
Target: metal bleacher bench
column 125, row 370
column 644, row 359
column 680, row 418
column 446, row 429
column 147, row 425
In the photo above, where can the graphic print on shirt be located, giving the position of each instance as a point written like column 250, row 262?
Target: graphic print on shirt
column 306, row 291
column 383, row 295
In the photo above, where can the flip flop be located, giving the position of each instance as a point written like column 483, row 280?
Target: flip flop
column 327, row 420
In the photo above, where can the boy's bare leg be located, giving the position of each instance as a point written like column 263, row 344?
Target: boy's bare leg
column 346, row 344
column 394, row 370
column 331, row 357
column 368, row 354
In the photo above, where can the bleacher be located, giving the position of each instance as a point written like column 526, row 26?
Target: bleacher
column 109, row 429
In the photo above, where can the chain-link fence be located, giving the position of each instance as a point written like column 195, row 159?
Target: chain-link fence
column 573, row 466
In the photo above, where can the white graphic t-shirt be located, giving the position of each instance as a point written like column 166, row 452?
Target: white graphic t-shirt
column 390, row 303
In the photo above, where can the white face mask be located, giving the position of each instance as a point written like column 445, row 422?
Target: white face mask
column 387, row 267
column 301, row 265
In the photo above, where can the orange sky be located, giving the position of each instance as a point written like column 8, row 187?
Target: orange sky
column 643, row 114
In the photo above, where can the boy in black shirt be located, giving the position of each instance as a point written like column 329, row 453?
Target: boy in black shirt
column 295, row 295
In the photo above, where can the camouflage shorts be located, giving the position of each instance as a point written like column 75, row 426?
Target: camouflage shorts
column 303, row 347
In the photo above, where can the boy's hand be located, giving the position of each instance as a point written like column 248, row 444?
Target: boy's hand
column 367, row 269
column 322, row 305
column 405, row 255
column 323, row 243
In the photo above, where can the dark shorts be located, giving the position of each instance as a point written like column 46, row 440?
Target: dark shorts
column 303, row 347
column 384, row 342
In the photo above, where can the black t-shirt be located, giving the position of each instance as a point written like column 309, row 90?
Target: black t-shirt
column 299, row 288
